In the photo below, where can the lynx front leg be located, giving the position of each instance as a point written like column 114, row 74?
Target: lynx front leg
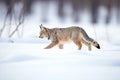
column 60, row 46
column 51, row 45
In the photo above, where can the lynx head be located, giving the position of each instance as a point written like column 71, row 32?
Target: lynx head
column 43, row 32
column 95, row 43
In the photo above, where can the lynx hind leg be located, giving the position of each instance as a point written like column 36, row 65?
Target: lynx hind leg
column 87, row 44
column 78, row 43
column 60, row 46
column 51, row 45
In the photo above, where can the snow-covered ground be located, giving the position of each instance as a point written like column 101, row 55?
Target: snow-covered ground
column 25, row 59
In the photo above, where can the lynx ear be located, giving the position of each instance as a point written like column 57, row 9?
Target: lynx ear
column 41, row 27
column 45, row 29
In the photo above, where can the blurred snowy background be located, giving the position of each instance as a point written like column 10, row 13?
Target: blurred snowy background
column 22, row 56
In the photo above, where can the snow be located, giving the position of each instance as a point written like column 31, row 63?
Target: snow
column 29, row 61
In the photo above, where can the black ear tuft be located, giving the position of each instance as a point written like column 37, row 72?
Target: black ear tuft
column 41, row 26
